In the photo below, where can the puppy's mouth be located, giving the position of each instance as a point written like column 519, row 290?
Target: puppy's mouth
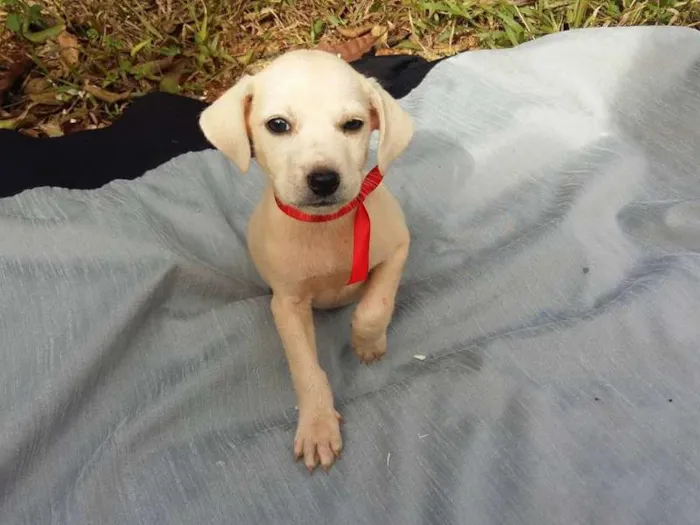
column 324, row 203
column 316, row 206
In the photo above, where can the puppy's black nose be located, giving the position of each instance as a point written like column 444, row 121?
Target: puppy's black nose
column 323, row 182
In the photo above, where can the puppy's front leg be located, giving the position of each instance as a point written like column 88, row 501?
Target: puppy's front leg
column 376, row 308
column 318, row 430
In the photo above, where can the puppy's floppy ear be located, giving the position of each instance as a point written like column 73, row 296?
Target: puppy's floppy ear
column 394, row 124
column 224, row 123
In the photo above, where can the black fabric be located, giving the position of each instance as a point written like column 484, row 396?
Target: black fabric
column 153, row 130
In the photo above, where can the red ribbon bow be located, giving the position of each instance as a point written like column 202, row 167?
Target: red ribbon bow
column 362, row 227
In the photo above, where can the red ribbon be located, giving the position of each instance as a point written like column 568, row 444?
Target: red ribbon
column 361, row 229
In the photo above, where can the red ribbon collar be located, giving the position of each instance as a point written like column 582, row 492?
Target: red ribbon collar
column 362, row 227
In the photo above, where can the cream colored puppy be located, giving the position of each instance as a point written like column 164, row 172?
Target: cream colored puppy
column 307, row 119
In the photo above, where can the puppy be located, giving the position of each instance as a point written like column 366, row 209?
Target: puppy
column 307, row 119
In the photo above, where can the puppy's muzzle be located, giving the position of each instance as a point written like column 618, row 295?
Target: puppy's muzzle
column 323, row 183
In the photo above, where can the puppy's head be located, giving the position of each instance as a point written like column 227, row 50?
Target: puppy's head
column 308, row 117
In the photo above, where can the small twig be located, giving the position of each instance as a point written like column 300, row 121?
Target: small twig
column 522, row 18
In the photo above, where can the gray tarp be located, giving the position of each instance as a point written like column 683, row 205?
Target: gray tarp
column 553, row 192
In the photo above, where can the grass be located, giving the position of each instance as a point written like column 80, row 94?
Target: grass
column 75, row 64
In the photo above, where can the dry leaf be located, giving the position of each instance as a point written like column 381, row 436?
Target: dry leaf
column 264, row 14
column 46, row 98
column 376, row 31
column 153, row 68
column 399, row 36
column 352, row 49
column 73, row 125
column 36, row 85
column 170, row 83
column 34, row 133
column 51, row 129
column 382, row 37
column 18, row 66
column 24, row 119
column 354, row 32
column 70, row 54
column 11, row 123
column 106, row 96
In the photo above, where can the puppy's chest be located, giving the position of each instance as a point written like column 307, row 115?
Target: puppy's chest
column 315, row 256
column 320, row 255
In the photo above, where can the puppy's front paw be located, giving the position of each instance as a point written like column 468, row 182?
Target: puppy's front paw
column 369, row 351
column 318, row 438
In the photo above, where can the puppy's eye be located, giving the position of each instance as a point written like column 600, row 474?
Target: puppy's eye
column 278, row 126
column 353, row 124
